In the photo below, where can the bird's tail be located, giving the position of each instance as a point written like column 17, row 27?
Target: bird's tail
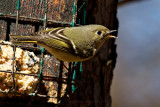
column 18, row 39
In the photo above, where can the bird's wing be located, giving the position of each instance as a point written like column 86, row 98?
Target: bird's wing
column 54, row 38
column 57, row 39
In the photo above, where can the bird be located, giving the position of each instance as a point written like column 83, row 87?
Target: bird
column 70, row 44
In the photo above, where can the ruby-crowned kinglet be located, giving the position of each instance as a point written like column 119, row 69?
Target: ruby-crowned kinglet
column 69, row 43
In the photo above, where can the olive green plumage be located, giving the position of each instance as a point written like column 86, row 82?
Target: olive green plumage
column 69, row 43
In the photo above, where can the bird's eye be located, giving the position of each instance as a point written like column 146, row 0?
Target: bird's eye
column 99, row 32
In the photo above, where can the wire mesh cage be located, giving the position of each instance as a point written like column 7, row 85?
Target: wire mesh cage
column 38, row 75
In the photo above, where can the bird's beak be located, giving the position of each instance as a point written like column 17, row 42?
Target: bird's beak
column 109, row 34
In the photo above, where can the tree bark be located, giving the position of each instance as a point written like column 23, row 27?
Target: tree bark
column 94, row 88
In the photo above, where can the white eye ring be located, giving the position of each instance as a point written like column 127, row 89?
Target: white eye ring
column 99, row 32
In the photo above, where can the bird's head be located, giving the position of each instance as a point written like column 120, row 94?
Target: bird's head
column 100, row 34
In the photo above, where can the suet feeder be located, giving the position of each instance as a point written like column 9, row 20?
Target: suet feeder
column 56, row 79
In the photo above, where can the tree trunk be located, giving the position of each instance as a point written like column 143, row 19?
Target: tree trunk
column 94, row 88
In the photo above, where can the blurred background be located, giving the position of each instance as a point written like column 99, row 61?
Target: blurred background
column 136, row 81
